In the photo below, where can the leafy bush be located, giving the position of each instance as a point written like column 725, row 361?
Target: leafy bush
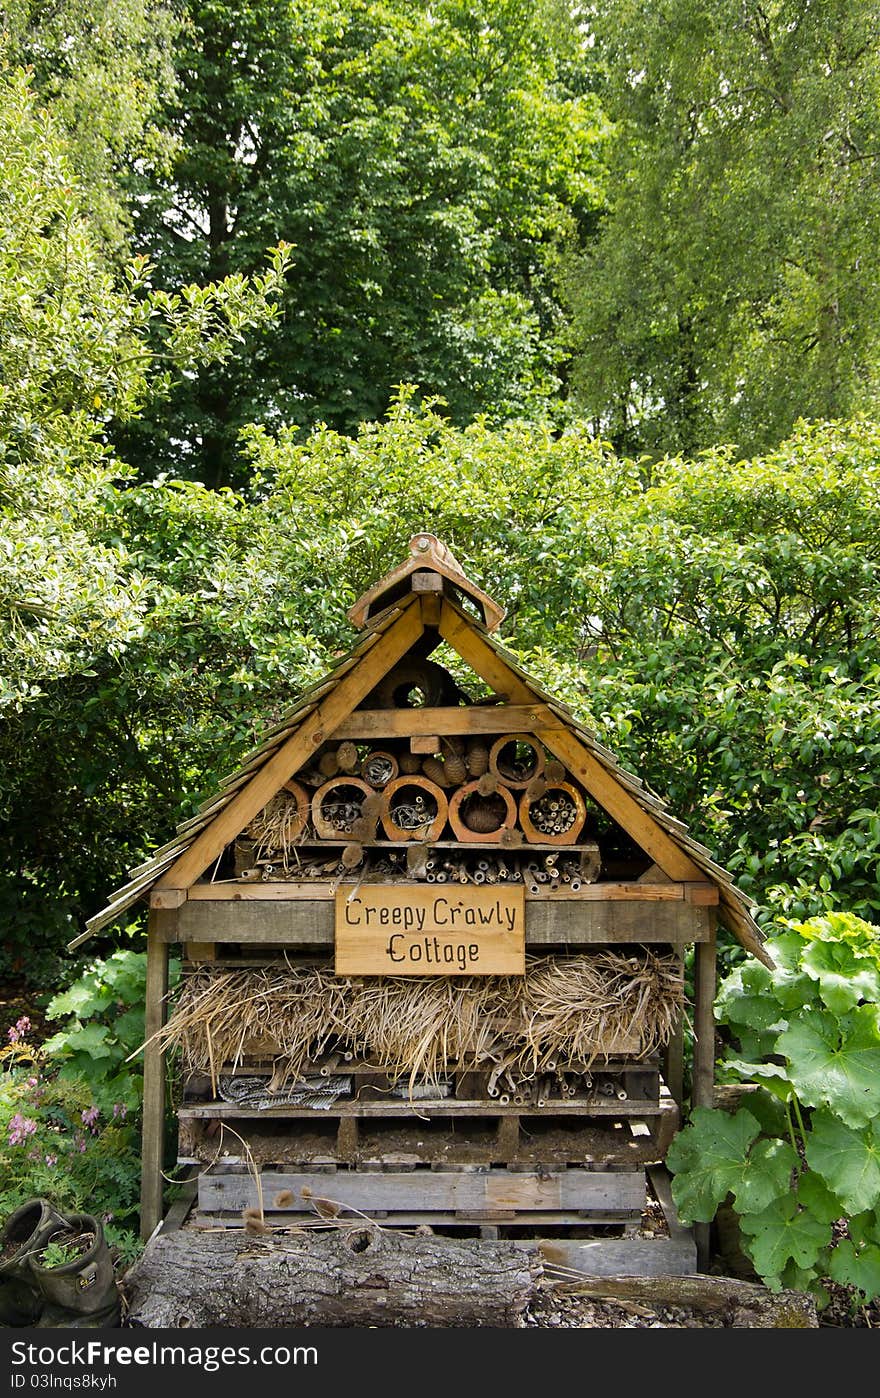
column 802, row 1160
column 70, row 1110
column 105, row 1009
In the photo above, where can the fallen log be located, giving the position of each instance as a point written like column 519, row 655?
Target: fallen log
column 355, row 1276
column 744, row 1305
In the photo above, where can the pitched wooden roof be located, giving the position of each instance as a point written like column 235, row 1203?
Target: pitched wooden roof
column 387, row 637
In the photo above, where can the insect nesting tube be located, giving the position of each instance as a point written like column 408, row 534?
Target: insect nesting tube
column 557, row 817
column 476, row 818
column 516, row 759
column 379, row 768
column 413, row 808
column 337, row 805
column 281, row 822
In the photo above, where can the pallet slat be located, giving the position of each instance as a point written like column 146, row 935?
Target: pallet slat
column 427, row 1191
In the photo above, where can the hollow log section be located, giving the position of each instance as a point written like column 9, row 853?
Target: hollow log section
column 360, row 1277
column 347, row 1276
column 678, row 910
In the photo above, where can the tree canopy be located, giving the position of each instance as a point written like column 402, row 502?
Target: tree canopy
column 425, row 162
column 734, row 284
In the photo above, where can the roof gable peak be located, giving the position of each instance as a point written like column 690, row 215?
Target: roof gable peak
column 427, row 555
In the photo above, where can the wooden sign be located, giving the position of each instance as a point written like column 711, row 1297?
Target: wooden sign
column 383, row 930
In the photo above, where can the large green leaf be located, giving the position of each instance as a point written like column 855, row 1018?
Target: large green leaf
column 89, row 1039
column 844, row 978
column 791, row 987
column 865, row 1228
column 836, row 1063
column 813, row 1193
column 848, row 1160
column 708, row 1160
column 782, row 1233
column 765, row 1175
column 774, row 1078
column 857, row 1267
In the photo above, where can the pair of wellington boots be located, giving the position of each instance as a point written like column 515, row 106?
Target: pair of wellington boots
column 79, row 1293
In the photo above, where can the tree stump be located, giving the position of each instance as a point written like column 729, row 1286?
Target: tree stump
column 349, row 1276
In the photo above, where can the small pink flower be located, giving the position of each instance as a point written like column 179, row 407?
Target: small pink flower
column 90, row 1117
column 51, row 1160
column 79, row 1143
column 120, row 1111
column 20, row 1127
column 18, row 1030
column 32, row 1082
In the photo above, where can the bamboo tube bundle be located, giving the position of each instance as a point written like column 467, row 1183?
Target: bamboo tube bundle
column 556, row 816
column 413, row 808
column 516, row 759
column 338, row 805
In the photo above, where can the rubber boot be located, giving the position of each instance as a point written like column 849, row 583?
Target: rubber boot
column 28, row 1226
column 87, row 1285
column 20, row 1304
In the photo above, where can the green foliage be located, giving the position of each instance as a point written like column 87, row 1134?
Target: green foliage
column 57, row 1144
column 795, row 1178
column 58, row 1254
column 104, row 1014
column 104, row 68
column 424, row 161
column 70, row 1110
column 733, row 285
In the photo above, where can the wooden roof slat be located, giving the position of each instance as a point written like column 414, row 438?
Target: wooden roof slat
column 245, row 803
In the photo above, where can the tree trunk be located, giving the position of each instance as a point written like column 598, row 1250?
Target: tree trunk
column 352, row 1276
column 743, row 1304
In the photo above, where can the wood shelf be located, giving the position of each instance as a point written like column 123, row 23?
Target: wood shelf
column 445, row 1106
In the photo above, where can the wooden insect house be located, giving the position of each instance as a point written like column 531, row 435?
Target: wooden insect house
column 432, row 941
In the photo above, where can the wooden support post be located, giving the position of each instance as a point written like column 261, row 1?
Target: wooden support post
column 704, row 1058
column 673, row 1059
column 161, row 923
column 704, row 1024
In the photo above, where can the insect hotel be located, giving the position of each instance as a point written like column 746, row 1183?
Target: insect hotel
column 432, row 951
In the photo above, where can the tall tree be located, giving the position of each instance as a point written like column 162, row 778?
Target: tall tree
column 105, row 68
column 735, row 284
column 423, row 160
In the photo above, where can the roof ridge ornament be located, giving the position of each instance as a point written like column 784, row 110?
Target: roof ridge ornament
column 427, row 554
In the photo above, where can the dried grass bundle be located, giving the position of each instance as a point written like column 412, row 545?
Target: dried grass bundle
column 575, row 1008
column 277, row 826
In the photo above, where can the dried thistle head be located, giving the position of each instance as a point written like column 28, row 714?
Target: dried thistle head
column 488, row 784
column 326, row 1208
column 536, row 788
column 254, row 1223
column 510, row 838
column 283, row 1199
column 352, row 855
column 554, row 771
